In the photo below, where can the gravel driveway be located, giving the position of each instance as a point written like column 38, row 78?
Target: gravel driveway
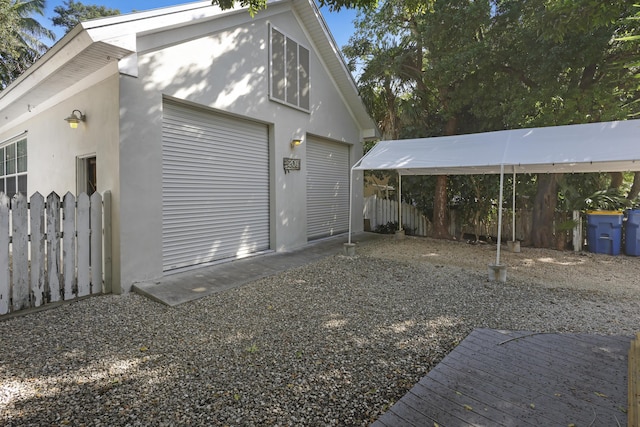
column 335, row 342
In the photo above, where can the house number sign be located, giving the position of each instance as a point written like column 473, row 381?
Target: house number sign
column 291, row 164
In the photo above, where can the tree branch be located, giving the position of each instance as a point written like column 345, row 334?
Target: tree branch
column 521, row 76
column 588, row 75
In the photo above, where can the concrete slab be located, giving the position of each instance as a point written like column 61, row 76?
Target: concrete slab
column 185, row 286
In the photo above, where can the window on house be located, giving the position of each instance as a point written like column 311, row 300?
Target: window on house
column 289, row 71
column 13, row 168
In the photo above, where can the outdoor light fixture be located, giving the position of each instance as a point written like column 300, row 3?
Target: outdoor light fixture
column 295, row 142
column 74, row 119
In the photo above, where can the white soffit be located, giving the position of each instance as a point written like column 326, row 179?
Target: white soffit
column 68, row 62
column 593, row 147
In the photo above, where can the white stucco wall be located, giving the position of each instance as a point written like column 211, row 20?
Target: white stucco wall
column 225, row 70
column 52, row 146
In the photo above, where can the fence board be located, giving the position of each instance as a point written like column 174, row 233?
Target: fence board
column 84, row 247
column 36, row 216
column 393, row 210
column 5, row 276
column 53, row 246
column 106, row 215
column 69, row 244
column 378, row 217
column 96, row 243
column 20, row 247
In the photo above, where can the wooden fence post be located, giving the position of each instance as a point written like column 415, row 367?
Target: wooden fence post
column 5, row 276
column 84, row 245
column 577, row 231
column 36, row 214
column 106, row 215
column 20, row 246
column 96, row 243
column 69, row 245
column 53, row 246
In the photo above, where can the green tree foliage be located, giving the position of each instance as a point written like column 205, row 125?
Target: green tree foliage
column 571, row 70
column 72, row 13
column 464, row 66
column 22, row 37
column 334, row 5
column 9, row 41
column 436, row 50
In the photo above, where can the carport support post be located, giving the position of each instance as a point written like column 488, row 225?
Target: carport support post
column 399, row 201
column 350, row 248
column 513, row 207
column 498, row 271
column 500, row 214
column 400, row 231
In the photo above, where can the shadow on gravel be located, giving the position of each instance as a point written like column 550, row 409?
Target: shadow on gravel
column 335, row 342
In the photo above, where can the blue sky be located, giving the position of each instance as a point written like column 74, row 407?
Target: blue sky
column 340, row 23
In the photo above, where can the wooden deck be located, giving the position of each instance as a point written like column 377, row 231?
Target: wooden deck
column 492, row 379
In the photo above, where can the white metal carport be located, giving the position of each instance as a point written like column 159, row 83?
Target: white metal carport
column 593, row 147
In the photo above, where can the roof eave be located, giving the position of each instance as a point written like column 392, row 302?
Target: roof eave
column 338, row 66
column 69, row 61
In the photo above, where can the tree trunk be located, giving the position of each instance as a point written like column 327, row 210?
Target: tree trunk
column 440, row 223
column 635, row 188
column 440, row 226
column 543, row 210
column 562, row 235
column 616, row 179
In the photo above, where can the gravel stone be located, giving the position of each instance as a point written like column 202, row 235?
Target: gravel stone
column 335, row 342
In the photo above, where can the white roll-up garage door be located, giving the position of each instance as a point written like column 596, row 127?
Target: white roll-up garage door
column 327, row 188
column 215, row 186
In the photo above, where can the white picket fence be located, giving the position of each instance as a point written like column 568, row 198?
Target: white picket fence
column 379, row 212
column 52, row 251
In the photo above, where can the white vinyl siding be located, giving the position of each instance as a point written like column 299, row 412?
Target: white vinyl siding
column 289, row 76
column 327, row 188
column 215, row 186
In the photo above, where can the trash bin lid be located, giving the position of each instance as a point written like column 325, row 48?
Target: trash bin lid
column 604, row 213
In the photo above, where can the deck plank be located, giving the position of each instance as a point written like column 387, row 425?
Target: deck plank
column 391, row 419
column 507, row 376
column 574, row 350
column 490, row 378
column 578, row 375
column 540, row 363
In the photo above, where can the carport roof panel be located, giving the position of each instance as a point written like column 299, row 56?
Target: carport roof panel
column 593, row 147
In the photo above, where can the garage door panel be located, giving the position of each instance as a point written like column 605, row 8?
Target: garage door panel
column 327, row 188
column 215, row 186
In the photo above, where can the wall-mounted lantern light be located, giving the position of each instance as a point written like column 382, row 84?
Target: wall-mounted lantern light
column 74, row 119
column 295, row 142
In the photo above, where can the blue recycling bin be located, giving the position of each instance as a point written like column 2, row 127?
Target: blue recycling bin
column 604, row 232
column 632, row 233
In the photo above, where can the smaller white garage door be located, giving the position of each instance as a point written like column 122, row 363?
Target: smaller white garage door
column 327, row 188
